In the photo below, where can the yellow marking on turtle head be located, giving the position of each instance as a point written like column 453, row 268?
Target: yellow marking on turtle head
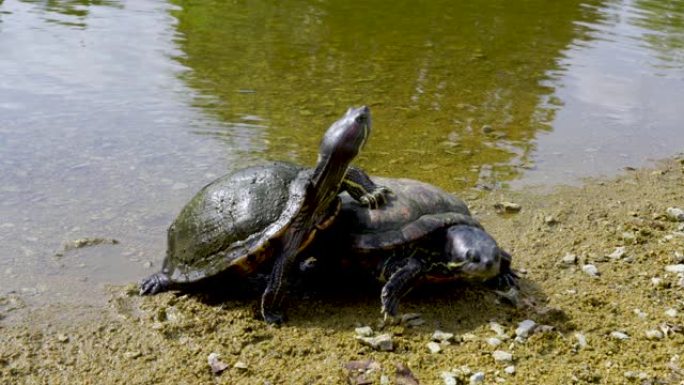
column 455, row 265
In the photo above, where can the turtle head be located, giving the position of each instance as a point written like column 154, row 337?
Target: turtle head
column 343, row 140
column 472, row 253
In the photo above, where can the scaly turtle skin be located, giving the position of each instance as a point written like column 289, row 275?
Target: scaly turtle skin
column 265, row 214
column 421, row 234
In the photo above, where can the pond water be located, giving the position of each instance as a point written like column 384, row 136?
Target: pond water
column 113, row 114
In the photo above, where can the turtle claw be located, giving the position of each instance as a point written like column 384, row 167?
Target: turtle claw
column 154, row 284
column 276, row 318
column 376, row 198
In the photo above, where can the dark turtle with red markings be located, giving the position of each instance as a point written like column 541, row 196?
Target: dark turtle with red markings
column 422, row 234
column 266, row 214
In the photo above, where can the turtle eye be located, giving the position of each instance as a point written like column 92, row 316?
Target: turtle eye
column 360, row 119
column 473, row 256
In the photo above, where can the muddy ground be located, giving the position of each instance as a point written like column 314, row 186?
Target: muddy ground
column 621, row 326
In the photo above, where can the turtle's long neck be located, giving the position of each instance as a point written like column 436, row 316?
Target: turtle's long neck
column 326, row 180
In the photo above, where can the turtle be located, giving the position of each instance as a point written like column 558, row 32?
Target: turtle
column 421, row 234
column 267, row 214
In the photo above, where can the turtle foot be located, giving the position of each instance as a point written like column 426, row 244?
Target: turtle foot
column 155, row 283
column 376, row 198
column 273, row 317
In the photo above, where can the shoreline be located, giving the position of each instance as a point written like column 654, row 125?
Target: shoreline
column 594, row 325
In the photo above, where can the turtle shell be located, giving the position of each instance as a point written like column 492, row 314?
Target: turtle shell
column 232, row 220
column 415, row 210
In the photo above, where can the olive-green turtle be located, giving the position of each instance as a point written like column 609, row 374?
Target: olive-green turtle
column 266, row 214
column 421, row 234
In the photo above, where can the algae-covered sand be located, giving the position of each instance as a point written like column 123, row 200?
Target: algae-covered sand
column 623, row 325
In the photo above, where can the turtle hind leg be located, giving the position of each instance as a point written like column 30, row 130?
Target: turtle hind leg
column 155, row 283
column 400, row 282
column 360, row 186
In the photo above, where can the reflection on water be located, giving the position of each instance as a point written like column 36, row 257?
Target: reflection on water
column 621, row 91
column 454, row 88
column 112, row 114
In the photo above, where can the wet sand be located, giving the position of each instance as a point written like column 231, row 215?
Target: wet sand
column 168, row 338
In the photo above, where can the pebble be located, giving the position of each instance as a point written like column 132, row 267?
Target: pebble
column 502, row 356
column 384, row 380
column 364, row 331
column 591, row 270
column 508, row 207
column 569, row 259
column 497, row 328
column 240, row 365
column 449, row 378
column 477, row 378
column 383, row 342
column 132, row 355
column 509, row 369
column 525, row 328
column 675, row 214
column 412, row 319
column 217, row 366
column 441, row 336
column 639, row 313
column 434, row 347
column 63, row 338
column 654, row 334
column 678, row 257
column 671, row 313
column 619, row 335
column 467, row 337
column 581, row 340
column 618, row 253
column 494, row 341
column 678, row 268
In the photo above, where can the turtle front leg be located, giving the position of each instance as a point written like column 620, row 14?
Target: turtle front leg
column 506, row 279
column 400, row 282
column 155, row 283
column 360, row 186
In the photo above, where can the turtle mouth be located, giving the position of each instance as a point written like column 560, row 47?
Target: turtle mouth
column 471, row 270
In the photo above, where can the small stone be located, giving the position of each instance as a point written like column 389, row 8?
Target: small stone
column 569, row 259
column 502, row 356
column 654, row 334
column 671, row 313
column 507, row 207
column 525, row 328
column 550, row 220
column 412, row 319
column 678, row 257
column 619, row 335
column 63, row 338
column 240, row 365
column 618, row 253
column 477, row 378
column 639, row 313
column 678, row 268
column 487, row 129
column 132, row 355
column 467, row 337
column 675, row 214
column 629, row 237
column 441, row 336
column 364, row 331
column 591, row 270
column 510, row 369
column 494, row 341
column 383, row 342
column 630, row 374
column 434, row 347
column 384, row 380
column 581, row 340
column 497, row 328
column 217, row 366
column 449, row 378
column 657, row 281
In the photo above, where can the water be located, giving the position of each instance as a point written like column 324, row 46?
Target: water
column 113, row 114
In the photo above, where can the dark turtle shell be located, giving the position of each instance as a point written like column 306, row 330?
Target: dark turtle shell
column 415, row 210
column 230, row 222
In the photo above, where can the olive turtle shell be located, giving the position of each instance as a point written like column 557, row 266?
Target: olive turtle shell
column 415, row 210
column 232, row 220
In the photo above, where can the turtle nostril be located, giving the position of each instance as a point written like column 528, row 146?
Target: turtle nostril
column 489, row 264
